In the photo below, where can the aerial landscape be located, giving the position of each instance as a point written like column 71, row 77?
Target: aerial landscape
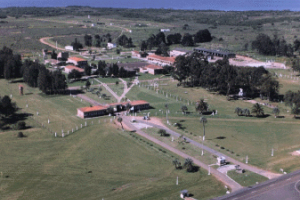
column 107, row 100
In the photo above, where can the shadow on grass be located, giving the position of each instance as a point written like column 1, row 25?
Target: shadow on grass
column 220, row 138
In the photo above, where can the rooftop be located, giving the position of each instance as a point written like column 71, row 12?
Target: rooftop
column 93, row 108
column 77, row 59
column 169, row 59
column 214, row 51
column 154, row 67
column 74, row 68
column 100, row 108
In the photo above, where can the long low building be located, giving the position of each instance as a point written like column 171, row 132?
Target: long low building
column 96, row 111
column 215, row 53
column 70, row 68
column 160, row 60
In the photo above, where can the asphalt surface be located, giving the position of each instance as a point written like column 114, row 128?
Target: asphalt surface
column 285, row 187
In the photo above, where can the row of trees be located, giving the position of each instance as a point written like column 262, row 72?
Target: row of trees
column 176, row 38
column 224, row 78
column 10, row 64
column 124, row 41
column 36, row 75
column 103, row 69
column 292, row 99
column 97, row 41
column 276, row 46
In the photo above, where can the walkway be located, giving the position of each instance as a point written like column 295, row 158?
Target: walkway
column 91, row 101
column 220, row 176
column 262, row 172
column 108, row 89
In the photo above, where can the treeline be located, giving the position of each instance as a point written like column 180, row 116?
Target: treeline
column 292, row 99
column 33, row 73
column 276, row 46
column 214, row 17
column 224, row 78
column 97, row 41
column 104, row 69
column 10, row 64
column 124, row 41
column 36, row 75
column 176, row 38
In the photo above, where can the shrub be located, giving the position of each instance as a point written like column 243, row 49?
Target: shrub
column 20, row 135
column 222, row 147
column 21, row 125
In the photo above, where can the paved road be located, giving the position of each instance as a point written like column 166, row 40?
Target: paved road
column 220, row 176
column 217, row 153
column 285, row 187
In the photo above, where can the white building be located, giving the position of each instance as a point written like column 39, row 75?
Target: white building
column 164, row 30
column 69, row 48
column 111, row 45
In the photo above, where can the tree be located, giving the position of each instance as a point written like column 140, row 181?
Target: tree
column 76, row 45
column 74, row 74
column 203, row 120
column 184, row 109
column 258, row 110
column 264, row 45
column 202, row 36
column 143, row 46
column 246, row 112
column 162, row 132
column 101, row 68
column 110, row 110
column 88, row 40
column 276, row 111
column 128, row 107
column 87, row 84
column 189, row 164
column 97, row 40
column 53, row 55
column 115, row 70
column 7, row 107
column 120, row 121
column 238, row 111
column 21, row 125
column 87, row 70
column 296, row 45
column 201, row 106
column 185, row 27
column 176, row 163
column 187, row 40
column 269, row 87
column 44, row 80
column 163, row 50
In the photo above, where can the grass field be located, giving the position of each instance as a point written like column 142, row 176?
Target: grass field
column 247, row 178
column 43, row 167
column 238, row 136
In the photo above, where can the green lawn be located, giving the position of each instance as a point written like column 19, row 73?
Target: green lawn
column 238, row 136
column 247, row 178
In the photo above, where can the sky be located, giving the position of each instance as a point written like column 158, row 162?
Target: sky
column 237, row 5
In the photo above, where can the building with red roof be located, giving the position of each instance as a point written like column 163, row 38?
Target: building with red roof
column 161, row 60
column 70, row 68
column 154, row 69
column 78, row 61
column 96, row 111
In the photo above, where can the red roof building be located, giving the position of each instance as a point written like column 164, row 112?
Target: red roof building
column 161, row 60
column 95, row 111
column 70, row 68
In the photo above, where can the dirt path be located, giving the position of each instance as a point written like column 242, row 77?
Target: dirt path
column 221, row 177
column 44, row 41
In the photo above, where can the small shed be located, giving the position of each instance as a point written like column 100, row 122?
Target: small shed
column 221, row 160
column 183, row 194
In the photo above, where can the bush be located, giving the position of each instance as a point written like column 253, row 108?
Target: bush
column 21, row 125
column 20, row 135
